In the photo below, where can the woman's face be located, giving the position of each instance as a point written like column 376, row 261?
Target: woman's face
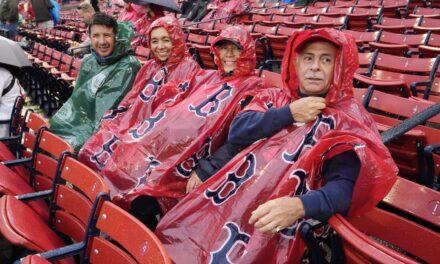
column 160, row 43
column 229, row 54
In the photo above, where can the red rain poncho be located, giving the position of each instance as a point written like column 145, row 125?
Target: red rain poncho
column 210, row 225
column 142, row 25
column 229, row 10
column 131, row 13
column 144, row 97
column 159, row 154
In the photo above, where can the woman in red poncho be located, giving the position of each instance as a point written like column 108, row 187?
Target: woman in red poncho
column 131, row 13
column 159, row 154
column 147, row 14
column 244, row 213
column 170, row 61
column 230, row 11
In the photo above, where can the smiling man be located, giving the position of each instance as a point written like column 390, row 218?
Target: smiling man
column 104, row 78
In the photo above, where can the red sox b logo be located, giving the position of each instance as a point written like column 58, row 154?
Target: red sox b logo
column 213, row 102
column 150, row 90
column 101, row 157
column 146, row 125
column 234, row 179
column 235, row 237
column 113, row 113
column 321, row 125
column 185, row 168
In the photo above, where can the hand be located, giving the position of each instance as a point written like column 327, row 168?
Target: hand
column 193, row 182
column 307, row 109
column 74, row 44
column 277, row 214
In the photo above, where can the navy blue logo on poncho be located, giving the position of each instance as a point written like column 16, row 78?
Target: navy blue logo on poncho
column 146, row 125
column 234, row 179
column 235, row 237
column 101, row 157
column 213, row 102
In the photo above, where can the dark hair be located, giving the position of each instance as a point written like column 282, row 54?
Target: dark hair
column 104, row 20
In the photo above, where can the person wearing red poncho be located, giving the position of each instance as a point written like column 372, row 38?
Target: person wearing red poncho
column 130, row 13
column 158, row 154
column 322, row 160
column 170, row 61
column 147, row 15
column 228, row 11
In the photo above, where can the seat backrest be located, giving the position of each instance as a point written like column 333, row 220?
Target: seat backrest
column 282, row 18
column 388, row 227
column 422, row 66
column 74, row 70
column 405, row 149
column 409, row 39
column 407, row 23
column 271, row 79
column 76, row 187
column 130, row 234
column 46, row 154
column 264, row 29
column 434, row 40
column 142, row 51
column 425, row 11
column 196, row 38
column 16, row 117
column 30, row 126
column 56, row 58
column 66, row 62
column 430, row 22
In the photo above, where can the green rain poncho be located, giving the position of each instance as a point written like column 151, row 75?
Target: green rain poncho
column 100, row 86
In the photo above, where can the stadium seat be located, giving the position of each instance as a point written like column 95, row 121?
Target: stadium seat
column 403, row 74
column 399, row 44
column 271, row 79
column 428, row 24
column 42, row 165
column 407, row 150
column 396, row 25
column 142, row 54
column 114, row 236
column 420, row 11
column 385, row 236
column 24, row 139
column 71, row 199
column 357, row 19
column 364, row 38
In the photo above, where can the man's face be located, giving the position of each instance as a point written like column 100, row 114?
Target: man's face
column 102, row 39
column 314, row 67
column 85, row 15
column 229, row 54
column 160, row 43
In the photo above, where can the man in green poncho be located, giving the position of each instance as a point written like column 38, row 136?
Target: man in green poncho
column 104, row 78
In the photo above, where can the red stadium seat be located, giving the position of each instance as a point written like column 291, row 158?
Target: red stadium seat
column 420, row 11
column 271, row 79
column 357, row 19
column 142, row 54
column 124, row 239
column 396, row 25
column 386, row 236
column 70, row 209
column 42, row 168
column 428, row 24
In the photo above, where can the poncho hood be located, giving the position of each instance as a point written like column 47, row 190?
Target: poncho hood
column 346, row 63
column 171, row 25
column 122, row 45
column 247, row 60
